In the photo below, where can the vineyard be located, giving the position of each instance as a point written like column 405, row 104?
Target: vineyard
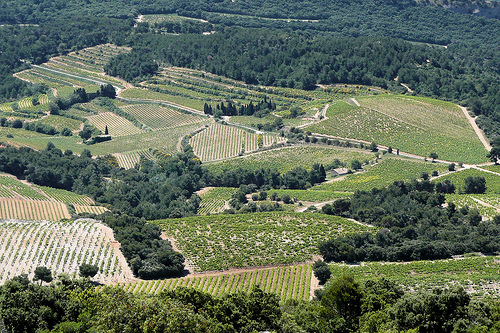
column 145, row 94
column 458, row 178
column 488, row 205
column 493, row 167
column 221, row 242
column 90, row 209
column 34, row 210
column 311, row 195
column 386, row 172
column 477, row 274
column 221, row 141
column 213, row 200
column 288, row 282
column 60, row 246
column 117, row 126
column 418, row 126
column 59, row 122
column 286, row 159
column 158, row 117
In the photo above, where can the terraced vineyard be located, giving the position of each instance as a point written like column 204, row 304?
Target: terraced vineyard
column 477, row 274
column 288, row 282
column 488, row 205
column 62, row 247
column 221, row 141
column 214, row 199
column 34, row 210
column 383, row 174
column 60, row 122
column 145, row 94
column 221, row 242
column 90, row 209
column 117, row 126
column 415, row 125
column 158, row 117
column 286, row 159
column 311, row 195
column 65, row 196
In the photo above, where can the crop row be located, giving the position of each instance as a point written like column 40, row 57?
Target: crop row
column 220, row 242
column 214, row 200
column 65, row 196
column 117, row 126
column 90, row 209
column 158, row 117
column 310, row 195
column 32, row 210
column 288, row 282
column 62, row 247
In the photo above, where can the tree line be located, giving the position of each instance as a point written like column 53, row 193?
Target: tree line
column 345, row 305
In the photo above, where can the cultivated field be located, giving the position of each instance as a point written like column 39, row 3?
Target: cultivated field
column 477, row 274
column 288, row 158
column 159, row 117
column 117, row 126
column 458, row 178
column 221, row 141
column 60, row 246
column 213, row 200
column 221, row 242
column 288, row 282
column 415, row 125
column 386, row 172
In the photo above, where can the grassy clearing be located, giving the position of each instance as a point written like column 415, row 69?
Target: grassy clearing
column 220, row 242
column 476, row 274
column 286, row 159
column 416, row 125
column 383, row 174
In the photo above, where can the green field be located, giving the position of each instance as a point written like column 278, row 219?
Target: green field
column 144, row 94
column 476, row 274
column 414, row 125
column 288, row 282
column 158, row 117
column 220, row 242
column 61, row 122
column 494, row 167
column 117, row 126
column 286, row 159
column 458, row 178
column 384, row 173
column 488, row 205
column 311, row 195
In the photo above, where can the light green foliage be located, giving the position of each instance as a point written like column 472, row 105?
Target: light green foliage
column 493, row 167
column 158, row 117
column 414, row 125
column 383, row 174
column 479, row 274
column 214, row 200
column 64, row 196
column 61, row 122
column 223, row 241
column 481, row 202
column 287, row 159
column 19, row 189
column 458, row 178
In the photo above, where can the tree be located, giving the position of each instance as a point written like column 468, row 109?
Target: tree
column 355, row 164
column 494, row 154
column 343, row 299
column 108, row 91
column 373, row 147
column 88, row 270
column 433, row 156
column 321, row 271
column 66, row 132
column 43, row 273
column 451, row 167
column 106, row 132
column 86, row 132
column 475, row 185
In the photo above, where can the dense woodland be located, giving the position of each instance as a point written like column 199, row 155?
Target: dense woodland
column 414, row 226
column 344, row 306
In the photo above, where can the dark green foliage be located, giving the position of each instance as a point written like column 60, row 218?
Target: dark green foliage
column 321, row 271
column 66, row 132
column 43, row 274
column 494, row 154
column 445, row 187
column 107, row 91
column 474, row 184
column 88, row 270
column 130, row 66
column 414, row 226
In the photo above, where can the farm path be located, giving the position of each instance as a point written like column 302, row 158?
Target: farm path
column 355, row 101
column 478, row 131
column 319, row 116
column 314, row 285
